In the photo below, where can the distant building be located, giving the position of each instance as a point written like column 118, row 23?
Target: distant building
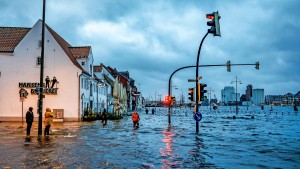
column 249, row 92
column 229, row 96
column 258, row 96
column 273, row 99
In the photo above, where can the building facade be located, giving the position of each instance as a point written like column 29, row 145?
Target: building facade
column 70, row 87
column 258, row 96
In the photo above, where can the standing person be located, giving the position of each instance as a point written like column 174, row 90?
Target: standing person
column 135, row 119
column 29, row 120
column 153, row 110
column 104, row 117
column 48, row 121
column 47, row 82
column 146, row 111
column 54, row 81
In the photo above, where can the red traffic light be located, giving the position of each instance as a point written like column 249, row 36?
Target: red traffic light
column 210, row 16
column 168, row 100
column 214, row 23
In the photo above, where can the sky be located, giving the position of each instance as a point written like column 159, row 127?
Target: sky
column 151, row 39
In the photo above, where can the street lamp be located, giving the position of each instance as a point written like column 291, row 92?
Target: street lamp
column 236, row 103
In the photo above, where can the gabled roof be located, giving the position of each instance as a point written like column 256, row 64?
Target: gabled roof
column 65, row 46
column 112, row 71
column 10, row 37
column 80, row 51
column 98, row 68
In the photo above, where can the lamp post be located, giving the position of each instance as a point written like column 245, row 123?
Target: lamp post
column 236, row 103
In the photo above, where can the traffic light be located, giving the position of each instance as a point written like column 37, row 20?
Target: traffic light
column 201, row 88
column 228, row 66
column 214, row 23
column 173, row 101
column 167, row 100
column 191, row 94
column 257, row 65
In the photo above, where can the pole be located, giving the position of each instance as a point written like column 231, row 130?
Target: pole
column 40, row 103
column 236, row 103
column 155, row 100
column 22, row 113
column 197, row 63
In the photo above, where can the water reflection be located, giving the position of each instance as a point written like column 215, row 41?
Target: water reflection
column 169, row 158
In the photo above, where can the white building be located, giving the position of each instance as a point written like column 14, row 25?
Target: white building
column 20, row 59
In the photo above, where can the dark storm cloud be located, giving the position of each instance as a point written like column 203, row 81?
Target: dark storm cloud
column 151, row 39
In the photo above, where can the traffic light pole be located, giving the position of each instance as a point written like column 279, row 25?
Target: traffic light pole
column 197, row 63
column 185, row 67
column 40, row 102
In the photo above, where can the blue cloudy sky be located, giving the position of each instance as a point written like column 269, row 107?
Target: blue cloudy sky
column 153, row 38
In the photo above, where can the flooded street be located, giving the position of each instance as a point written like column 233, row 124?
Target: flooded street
column 269, row 139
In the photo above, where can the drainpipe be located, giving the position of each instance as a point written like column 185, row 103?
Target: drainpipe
column 79, row 97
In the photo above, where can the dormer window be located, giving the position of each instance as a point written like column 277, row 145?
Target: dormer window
column 82, row 63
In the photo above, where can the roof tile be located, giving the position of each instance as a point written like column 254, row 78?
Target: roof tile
column 10, row 37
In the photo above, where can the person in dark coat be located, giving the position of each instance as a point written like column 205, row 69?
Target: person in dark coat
column 29, row 120
column 47, row 82
column 147, row 111
column 104, row 117
column 54, row 81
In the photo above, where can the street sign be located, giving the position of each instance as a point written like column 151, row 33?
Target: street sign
column 191, row 80
column 198, row 116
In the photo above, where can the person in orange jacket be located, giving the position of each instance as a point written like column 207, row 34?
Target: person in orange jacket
column 48, row 121
column 135, row 119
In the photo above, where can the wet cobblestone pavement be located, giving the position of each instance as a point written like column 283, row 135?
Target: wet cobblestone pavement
column 269, row 140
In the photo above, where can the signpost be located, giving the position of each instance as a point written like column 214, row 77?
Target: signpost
column 23, row 95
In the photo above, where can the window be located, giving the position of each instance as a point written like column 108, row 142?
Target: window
column 82, row 63
column 40, row 43
column 38, row 61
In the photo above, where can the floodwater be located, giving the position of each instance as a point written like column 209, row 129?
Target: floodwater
column 255, row 139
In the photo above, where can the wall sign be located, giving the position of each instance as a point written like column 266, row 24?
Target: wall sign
column 35, row 87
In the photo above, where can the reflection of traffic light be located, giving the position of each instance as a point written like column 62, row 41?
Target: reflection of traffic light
column 191, row 94
column 201, row 88
column 214, row 23
column 228, row 66
column 167, row 100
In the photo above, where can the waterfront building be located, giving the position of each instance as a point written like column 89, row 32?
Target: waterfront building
column 104, row 88
column 229, row 95
column 273, row 99
column 69, row 68
column 258, row 97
